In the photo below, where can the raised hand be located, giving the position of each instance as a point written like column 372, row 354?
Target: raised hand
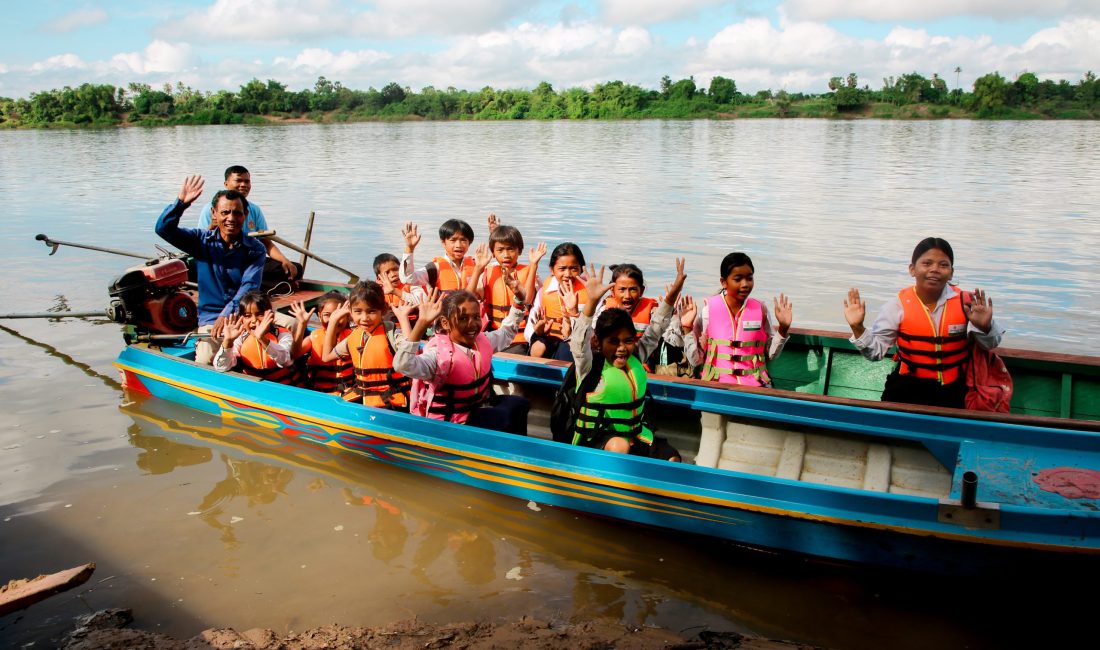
column 672, row 291
column 569, row 297
column 512, row 282
column 535, row 255
column 688, row 312
column 541, row 326
column 493, row 222
column 191, row 190
column 411, row 234
column 784, row 314
column 980, row 310
column 432, row 308
column 855, row 310
column 482, row 256
column 298, row 311
column 595, row 285
column 388, row 287
column 265, row 324
column 340, row 315
column 232, row 327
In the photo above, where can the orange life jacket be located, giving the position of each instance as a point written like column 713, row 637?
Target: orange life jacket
column 642, row 314
column 376, row 382
column 498, row 299
column 551, row 304
column 396, row 300
column 928, row 350
column 447, row 280
column 255, row 361
column 332, row 377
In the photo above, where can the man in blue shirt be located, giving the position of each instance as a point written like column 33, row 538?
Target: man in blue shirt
column 229, row 264
column 278, row 267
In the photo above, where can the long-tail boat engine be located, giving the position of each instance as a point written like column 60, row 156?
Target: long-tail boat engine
column 155, row 298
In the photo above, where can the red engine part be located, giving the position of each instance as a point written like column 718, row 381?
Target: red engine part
column 166, row 273
column 173, row 313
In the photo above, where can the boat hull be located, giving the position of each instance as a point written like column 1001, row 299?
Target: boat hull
column 765, row 512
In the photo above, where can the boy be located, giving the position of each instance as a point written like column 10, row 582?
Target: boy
column 506, row 245
column 278, row 268
column 448, row 274
column 386, row 269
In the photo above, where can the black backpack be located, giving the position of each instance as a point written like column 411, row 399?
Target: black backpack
column 568, row 400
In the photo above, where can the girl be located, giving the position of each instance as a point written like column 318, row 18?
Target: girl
column 554, row 308
column 331, row 376
column 733, row 337
column 369, row 348
column 628, row 286
column 453, row 375
column 611, row 381
column 932, row 324
column 261, row 348
column 505, row 246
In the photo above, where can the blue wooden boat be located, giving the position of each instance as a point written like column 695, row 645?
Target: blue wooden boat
column 848, row 482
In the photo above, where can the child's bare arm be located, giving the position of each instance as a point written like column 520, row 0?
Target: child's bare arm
column 335, row 325
column 482, row 257
column 533, row 258
column 596, row 289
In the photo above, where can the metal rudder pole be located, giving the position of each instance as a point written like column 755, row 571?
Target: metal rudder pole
column 270, row 234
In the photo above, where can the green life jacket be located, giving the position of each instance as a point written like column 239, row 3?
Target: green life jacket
column 616, row 405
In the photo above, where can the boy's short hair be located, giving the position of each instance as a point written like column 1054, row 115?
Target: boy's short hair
column 255, row 298
column 506, row 235
column 235, row 169
column 384, row 258
column 452, row 226
column 370, row 292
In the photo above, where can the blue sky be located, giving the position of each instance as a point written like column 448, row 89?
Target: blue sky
column 791, row 44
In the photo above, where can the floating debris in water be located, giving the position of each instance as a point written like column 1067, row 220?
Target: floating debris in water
column 68, row 505
column 55, row 430
column 338, row 528
column 194, row 512
column 531, row 505
column 234, row 520
column 513, row 574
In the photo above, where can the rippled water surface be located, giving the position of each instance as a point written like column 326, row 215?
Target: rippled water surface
column 194, row 523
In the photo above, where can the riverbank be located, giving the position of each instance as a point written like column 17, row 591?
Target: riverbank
column 105, row 632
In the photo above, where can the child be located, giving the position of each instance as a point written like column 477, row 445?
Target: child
column 262, row 348
column 733, row 336
column 505, row 245
column 370, row 348
column 932, row 325
column 332, row 376
column 555, row 306
column 387, row 271
column 453, row 375
column 628, row 286
column 450, row 273
column 611, row 409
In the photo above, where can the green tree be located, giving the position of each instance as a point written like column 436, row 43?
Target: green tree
column 722, row 90
column 989, row 94
column 392, row 93
column 782, row 102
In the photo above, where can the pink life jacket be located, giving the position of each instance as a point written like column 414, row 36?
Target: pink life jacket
column 735, row 344
column 459, row 386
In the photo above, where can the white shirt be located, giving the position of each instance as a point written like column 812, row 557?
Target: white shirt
column 224, row 359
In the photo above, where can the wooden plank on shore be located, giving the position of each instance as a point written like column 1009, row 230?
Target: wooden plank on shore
column 19, row 594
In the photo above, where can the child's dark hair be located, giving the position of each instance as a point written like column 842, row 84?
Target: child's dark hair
column 232, row 195
column 452, row 302
column 257, row 299
column 452, row 226
column 332, row 296
column 629, row 270
column 612, row 320
column 506, row 235
column 567, row 248
column 734, row 260
column 235, row 169
column 933, row 243
column 383, row 259
column 370, row 292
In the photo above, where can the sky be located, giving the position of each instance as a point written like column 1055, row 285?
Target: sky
column 796, row 45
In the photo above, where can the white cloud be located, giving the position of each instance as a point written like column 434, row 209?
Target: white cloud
column 75, row 20
column 650, row 12
column 318, row 61
column 296, row 20
column 158, row 57
column 804, row 55
column 59, row 62
column 898, row 10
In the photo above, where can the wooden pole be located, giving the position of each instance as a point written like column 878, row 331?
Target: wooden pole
column 270, row 234
column 305, row 244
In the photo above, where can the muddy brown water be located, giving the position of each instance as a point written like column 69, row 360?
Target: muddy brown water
column 194, row 523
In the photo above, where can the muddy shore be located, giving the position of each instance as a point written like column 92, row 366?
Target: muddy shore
column 106, row 631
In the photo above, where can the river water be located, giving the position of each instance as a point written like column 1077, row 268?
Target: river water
column 195, row 524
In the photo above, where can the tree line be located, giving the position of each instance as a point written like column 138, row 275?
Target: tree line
column 260, row 102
